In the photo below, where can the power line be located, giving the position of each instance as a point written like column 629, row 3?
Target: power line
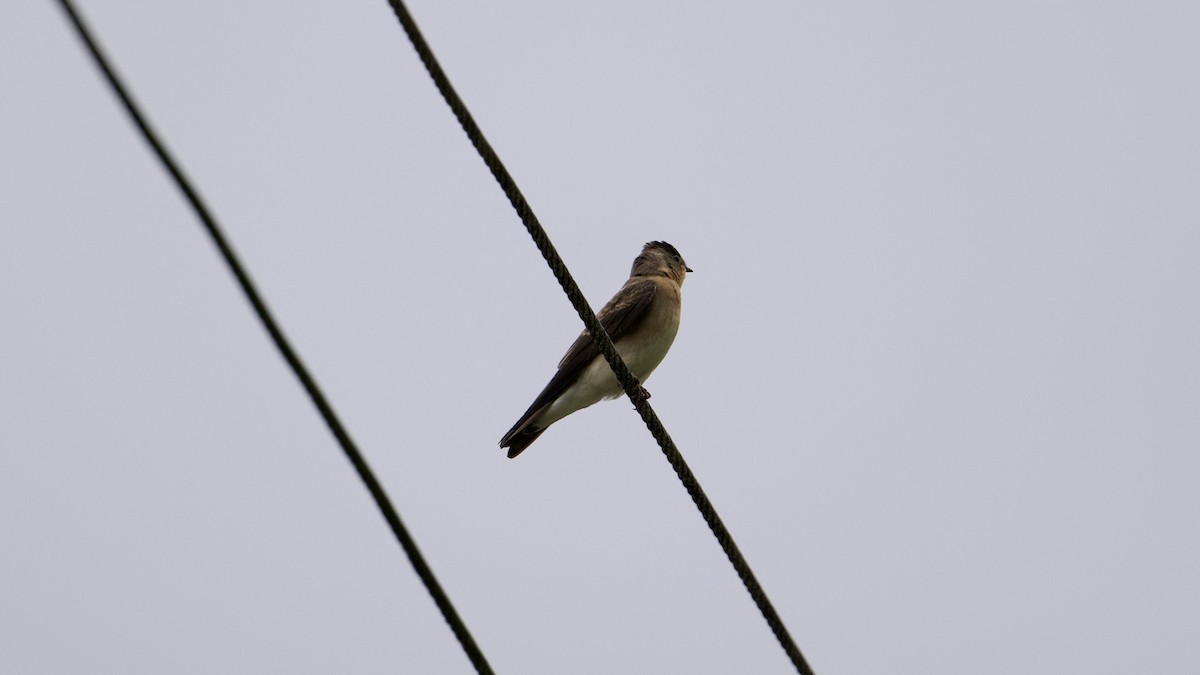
column 281, row 343
column 628, row 382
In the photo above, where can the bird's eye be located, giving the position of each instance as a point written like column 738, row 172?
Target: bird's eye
column 678, row 259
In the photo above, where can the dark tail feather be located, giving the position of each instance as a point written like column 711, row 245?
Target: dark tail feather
column 523, row 432
column 516, row 441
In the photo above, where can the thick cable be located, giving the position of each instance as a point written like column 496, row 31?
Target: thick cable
column 628, row 382
column 281, row 343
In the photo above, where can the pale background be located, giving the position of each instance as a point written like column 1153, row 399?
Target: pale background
column 938, row 369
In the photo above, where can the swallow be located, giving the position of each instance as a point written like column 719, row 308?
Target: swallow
column 642, row 320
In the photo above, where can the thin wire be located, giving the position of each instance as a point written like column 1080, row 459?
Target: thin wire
column 627, row 380
column 310, row 385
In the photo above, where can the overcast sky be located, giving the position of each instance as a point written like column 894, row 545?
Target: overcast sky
column 938, row 367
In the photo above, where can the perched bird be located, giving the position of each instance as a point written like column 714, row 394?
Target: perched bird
column 642, row 319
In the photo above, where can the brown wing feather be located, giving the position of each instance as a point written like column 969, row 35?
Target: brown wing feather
column 618, row 317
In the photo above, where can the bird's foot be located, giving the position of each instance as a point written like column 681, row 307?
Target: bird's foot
column 641, row 395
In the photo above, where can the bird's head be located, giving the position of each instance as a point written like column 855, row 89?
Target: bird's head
column 658, row 258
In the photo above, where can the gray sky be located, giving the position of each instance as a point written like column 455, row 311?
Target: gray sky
column 938, row 366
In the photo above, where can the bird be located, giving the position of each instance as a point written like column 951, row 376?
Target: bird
column 642, row 320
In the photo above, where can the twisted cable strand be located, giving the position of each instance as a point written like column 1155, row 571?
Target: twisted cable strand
column 628, row 382
column 281, row 343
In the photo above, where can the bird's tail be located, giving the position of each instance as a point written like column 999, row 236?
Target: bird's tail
column 519, row 438
column 527, row 429
column 524, row 432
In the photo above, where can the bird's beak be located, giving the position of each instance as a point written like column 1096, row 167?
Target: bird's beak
column 688, row 269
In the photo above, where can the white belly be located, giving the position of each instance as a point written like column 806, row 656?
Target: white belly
column 641, row 352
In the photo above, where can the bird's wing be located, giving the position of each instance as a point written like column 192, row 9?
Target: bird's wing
column 618, row 317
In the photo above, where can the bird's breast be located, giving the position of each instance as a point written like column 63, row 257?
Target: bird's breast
column 646, row 346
